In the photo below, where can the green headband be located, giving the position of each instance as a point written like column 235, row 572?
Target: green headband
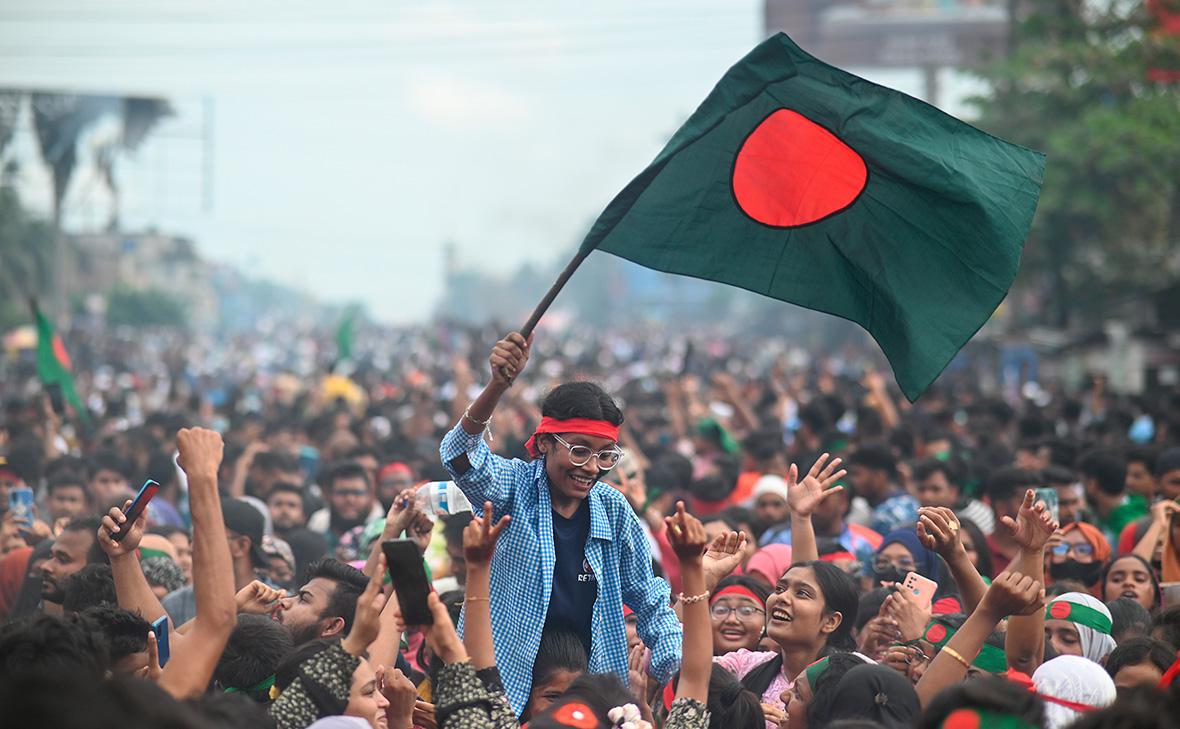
column 1080, row 614
column 814, row 671
column 990, row 659
column 981, row 718
column 148, row 553
column 263, row 685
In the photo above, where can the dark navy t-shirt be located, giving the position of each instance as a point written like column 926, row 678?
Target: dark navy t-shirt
column 575, row 587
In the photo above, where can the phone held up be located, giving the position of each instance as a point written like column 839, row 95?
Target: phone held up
column 160, row 628
column 408, row 573
column 134, row 511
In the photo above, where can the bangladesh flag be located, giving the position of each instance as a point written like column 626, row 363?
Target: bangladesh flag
column 807, row 184
column 53, row 363
column 346, row 334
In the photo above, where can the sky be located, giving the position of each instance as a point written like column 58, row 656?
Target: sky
column 338, row 146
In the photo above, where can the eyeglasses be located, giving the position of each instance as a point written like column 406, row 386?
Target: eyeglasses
column 1083, row 549
column 721, row 611
column 580, row 455
column 350, row 493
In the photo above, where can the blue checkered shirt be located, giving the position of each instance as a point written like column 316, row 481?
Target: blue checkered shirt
column 522, row 568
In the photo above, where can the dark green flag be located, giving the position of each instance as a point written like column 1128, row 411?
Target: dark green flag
column 53, row 363
column 807, row 184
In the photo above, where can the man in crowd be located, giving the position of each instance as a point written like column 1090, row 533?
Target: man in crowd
column 352, row 502
column 287, row 511
column 66, row 497
column 324, row 606
column 109, row 480
column 73, row 549
column 940, row 483
column 872, row 473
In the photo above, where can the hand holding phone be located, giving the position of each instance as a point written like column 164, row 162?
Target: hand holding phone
column 408, row 573
column 160, row 629
column 921, row 588
column 146, row 492
column 20, row 506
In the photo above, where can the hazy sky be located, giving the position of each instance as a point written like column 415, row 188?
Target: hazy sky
column 347, row 141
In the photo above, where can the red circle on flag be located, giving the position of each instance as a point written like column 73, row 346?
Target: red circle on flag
column 1059, row 610
column 791, row 171
column 936, row 633
column 962, row 719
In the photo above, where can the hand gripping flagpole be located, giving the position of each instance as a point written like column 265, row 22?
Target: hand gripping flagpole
column 527, row 330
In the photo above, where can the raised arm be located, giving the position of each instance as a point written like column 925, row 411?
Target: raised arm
column 689, row 540
column 649, row 596
column 803, row 497
column 1024, row 644
column 482, row 475
column 1161, row 516
column 1010, row 594
column 479, row 544
column 131, row 587
column 190, row 669
column 938, row 529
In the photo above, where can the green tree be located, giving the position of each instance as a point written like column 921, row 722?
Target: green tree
column 145, row 308
column 25, row 252
column 1076, row 86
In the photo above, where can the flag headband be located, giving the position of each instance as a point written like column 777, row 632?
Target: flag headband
column 737, row 591
column 581, row 426
column 1080, row 614
column 991, row 658
column 1170, row 674
column 977, row 718
column 1023, row 679
column 837, row 556
column 814, row 671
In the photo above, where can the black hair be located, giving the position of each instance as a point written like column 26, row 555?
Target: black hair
column 255, row 648
column 561, row 650
column 109, row 461
column 986, row 693
column 286, row 487
column 71, row 466
column 855, row 724
column 1155, row 582
column 125, row 631
column 91, row 586
column 870, row 605
column 763, row 445
column 1167, row 461
column 711, row 488
column 68, row 479
column 49, row 644
column 1107, row 468
column 986, row 566
column 600, row 692
column 876, row 457
column 1143, row 707
column 453, row 526
column 230, row 711
column 1009, row 483
column 1136, row 650
column 276, row 461
column 950, row 469
column 341, row 470
column 89, row 525
column 823, row 693
column 63, row 701
column 731, row 704
column 581, row 400
column 1165, row 625
column 350, row 583
column 1147, row 455
column 1058, row 476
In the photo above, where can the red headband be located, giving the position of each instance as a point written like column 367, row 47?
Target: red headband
column 1170, row 675
column 392, row 468
column 581, row 426
column 837, row 556
column 738, row 591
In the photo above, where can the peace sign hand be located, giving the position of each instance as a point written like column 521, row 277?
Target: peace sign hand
column 804, row 496
column 479, row 538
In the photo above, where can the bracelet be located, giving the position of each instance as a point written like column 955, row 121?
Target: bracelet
column 956, row 655
column 695, row 598
column 476, row 599
column 481, row 423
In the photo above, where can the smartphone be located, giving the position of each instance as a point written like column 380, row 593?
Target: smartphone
column 20, row 503
column 1049, row 496
column 160, row 628
column 921, row 587
column 133, row 512
column 408, row 573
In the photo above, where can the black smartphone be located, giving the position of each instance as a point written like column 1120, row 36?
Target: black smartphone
column 133, row 512
column 160, row 628
column 404, row 561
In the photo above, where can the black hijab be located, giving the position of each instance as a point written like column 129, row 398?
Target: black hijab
column 878, row 693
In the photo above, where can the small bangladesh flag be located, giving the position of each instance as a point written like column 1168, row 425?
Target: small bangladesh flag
column 807, row 184
column 53, row 363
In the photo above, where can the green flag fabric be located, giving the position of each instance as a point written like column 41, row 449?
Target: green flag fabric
column 53, row 363
column 807, row 184
column 346, row 335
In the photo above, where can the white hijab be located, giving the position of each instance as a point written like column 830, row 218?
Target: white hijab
column 1096, row 646
column 1072, row 678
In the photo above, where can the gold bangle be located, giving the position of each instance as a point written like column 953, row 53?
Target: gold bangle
column 476, row 599
column 695, row 598
column 956, row 655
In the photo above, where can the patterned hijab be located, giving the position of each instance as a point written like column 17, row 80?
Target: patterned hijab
column 319, row 689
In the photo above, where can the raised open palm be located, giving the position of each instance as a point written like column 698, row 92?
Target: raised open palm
column 804, row 496
column 1033, row 524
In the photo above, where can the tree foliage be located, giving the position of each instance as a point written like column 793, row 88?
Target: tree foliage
column 25, row 253
column 144, row 308
column 1076, row 86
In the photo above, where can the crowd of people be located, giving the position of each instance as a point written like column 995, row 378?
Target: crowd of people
column 708, row 531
